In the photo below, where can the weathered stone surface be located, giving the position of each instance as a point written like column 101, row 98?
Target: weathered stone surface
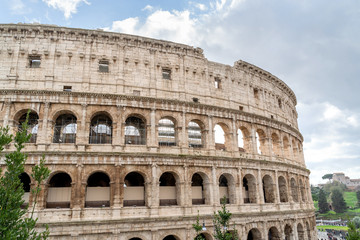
column 86, row 74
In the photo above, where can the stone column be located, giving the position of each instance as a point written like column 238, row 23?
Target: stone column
column 76, row 202
column 153, row 138
column 7, row 104
column 117, row 141
column 210, row 136
column 253, row 140
column 260, row 188
column 118, row 187
column 277, row 193
column 81, row 135
column 235, row 145
column 183, row 137
column 240, row 188
column 186, row 191
column 215, row 185
column 155, row 193
column 43, row 131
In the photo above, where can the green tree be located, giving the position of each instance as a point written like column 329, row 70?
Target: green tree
column 323, row 205
column 338, row 201
column 353, row 233
column 314, row 192
column 14, row 224
column 198, row 228
column 356, row 220
column 327, row 176
column 358, row 198
column 221, row 222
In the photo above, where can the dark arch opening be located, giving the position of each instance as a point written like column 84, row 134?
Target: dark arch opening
column 283, row 189
column 268, row 189
column 249, row 189
column 135, row 131
column 170, row 237
column 98, row 190
column 168, row 189
column 100, row 130
column 65, row 129
column 59, row 191
column 274, row 234
column 254, row 234
column 134, row 190
column 25, row 181
column 223, row 189
column 197, row 190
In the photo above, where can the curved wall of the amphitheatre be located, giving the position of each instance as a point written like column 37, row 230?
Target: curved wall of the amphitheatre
column 128, row 126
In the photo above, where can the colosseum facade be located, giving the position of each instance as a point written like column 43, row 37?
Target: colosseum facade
column 142, row 134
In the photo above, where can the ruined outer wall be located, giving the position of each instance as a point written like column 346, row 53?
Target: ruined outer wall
column 248, row 98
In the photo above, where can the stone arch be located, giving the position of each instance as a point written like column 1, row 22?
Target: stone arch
column 283, row 189
column 134, row 189
column 260, row 141
column 33, row 123
column 227, row 187
column 167, row 131
column 294, row 190
column 254, row 234
column 196, row 134
column 288, row 232
column 98, row 190
column 65, row 128
column 135, row 130
column 300, row 232
column 246, row 139
column 57, row 113
column 249, row 188
column 96, row 112
column 276, row 150
column 18, row 114
column 268, row 189
column 26, row 185
column 171, row 237
column 59, row 190
column 286, row 146
column 222, row 137
column 135, row 238
column 169, row 189
column 101, row 128
column 200, row 188
column 206, row 236
column 295, row 149
column 274, row 234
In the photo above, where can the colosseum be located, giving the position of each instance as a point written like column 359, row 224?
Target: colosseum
column 141, row 135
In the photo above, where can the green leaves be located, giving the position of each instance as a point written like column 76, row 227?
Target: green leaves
column 13, row 221
column 221, row 222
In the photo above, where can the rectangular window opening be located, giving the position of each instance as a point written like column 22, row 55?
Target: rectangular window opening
column 217, row 83
column 241, row 108
column 195, row 100
column 104, row 66
column 34, row 61
column 279, row 102
column 256, row 93
column 166, row 73
column 67, row 88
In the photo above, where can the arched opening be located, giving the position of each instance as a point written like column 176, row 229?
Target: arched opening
column 274, row 234
column 275, row 144
column 286, row 145
column 240, row 138
column 254, row 234
column 288, row 232
column 166, row 132
column 170, row 237
column 294, row 190
column 100, row 130
column 244, row 139
column 260, row 141
column 98, row 190
column 223, row 189
column 300, row 231
column 195, row 135
column 295, row 150
column 135, row 131
column 135, row 238
column 268, row 188
column 33, row 125
column 302, row 191
column 134, row 190
column 59, row 191
column 205, row 236
column 249, row 189
column 168, row 189
column 197, row 190
column 25, row 181
column 283, row 189
column 65, row 129
column 221, row 137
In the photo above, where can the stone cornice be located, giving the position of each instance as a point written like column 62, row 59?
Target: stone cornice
column 118, row 97
column 57, row 32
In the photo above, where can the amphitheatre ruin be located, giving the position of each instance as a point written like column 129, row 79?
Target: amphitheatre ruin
column 142, row 134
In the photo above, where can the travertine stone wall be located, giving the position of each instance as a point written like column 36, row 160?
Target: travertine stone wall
column 266, row 179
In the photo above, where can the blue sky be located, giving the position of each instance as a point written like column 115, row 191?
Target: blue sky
column 313, row 46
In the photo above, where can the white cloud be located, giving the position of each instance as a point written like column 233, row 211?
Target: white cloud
column 69, row 7
column 148, row 7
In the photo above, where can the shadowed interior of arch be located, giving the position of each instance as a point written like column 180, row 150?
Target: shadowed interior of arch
column 98, row 190
column 59, row 191
column 134, row 190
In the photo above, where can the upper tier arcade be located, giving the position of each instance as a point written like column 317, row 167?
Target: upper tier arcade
column 46, row 57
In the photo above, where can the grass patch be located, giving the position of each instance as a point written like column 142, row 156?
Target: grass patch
column 316, row 204
column 350, row 199
column 323, row 227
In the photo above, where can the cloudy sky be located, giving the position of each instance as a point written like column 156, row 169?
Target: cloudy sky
column 314, row 46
